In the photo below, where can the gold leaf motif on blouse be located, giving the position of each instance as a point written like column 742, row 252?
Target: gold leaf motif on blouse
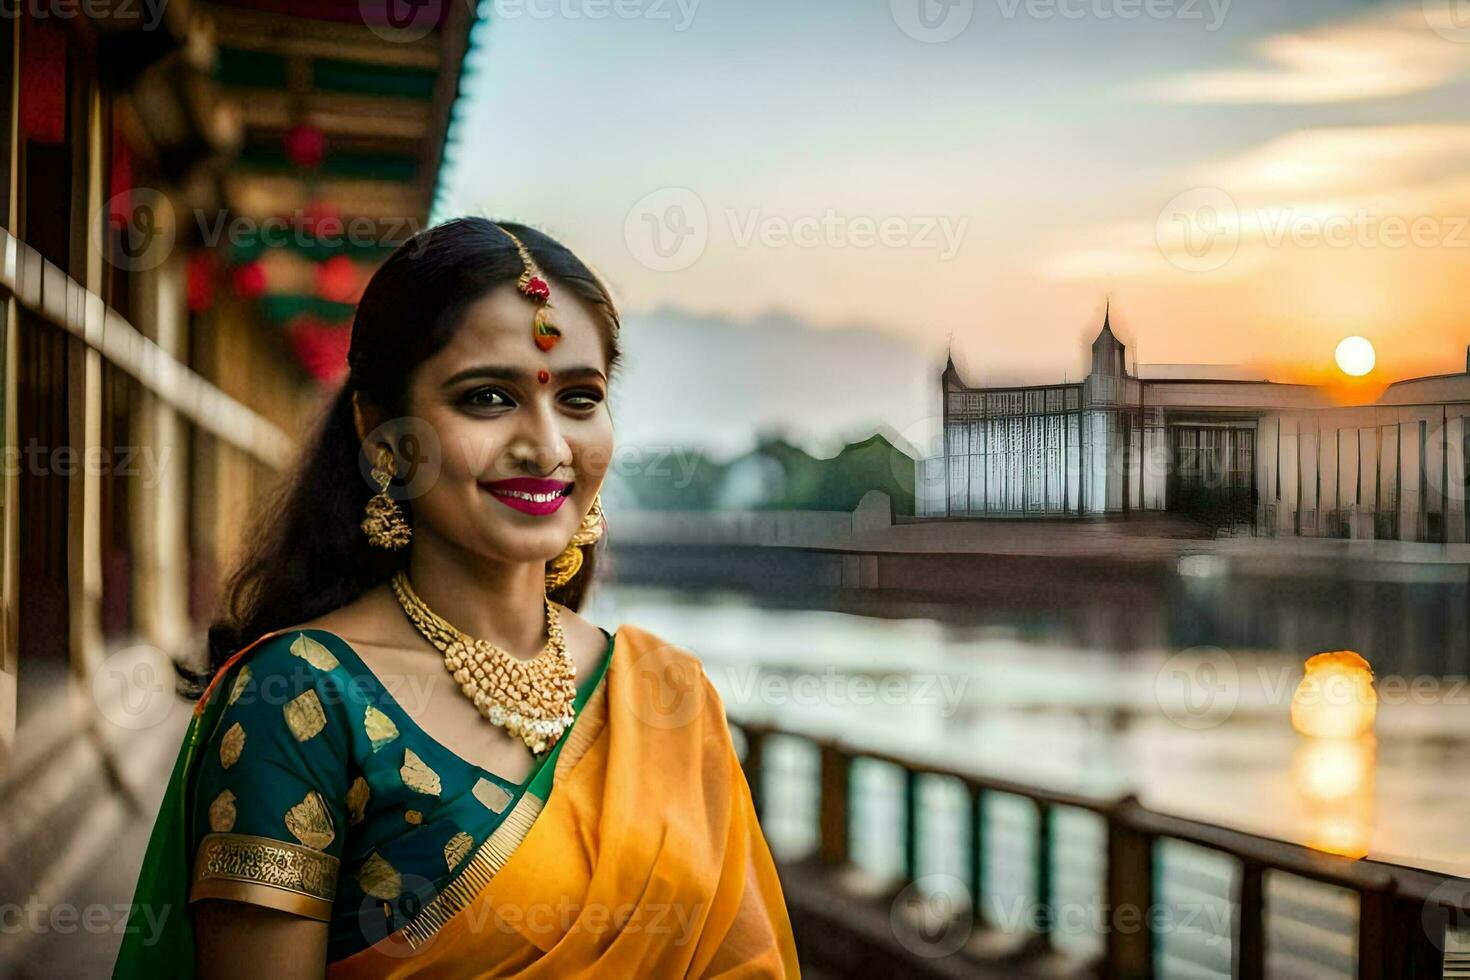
column 313, row 653
column 231, row 745
column 304, row 715
column 357, row 800
column 458, row 848
column 222, row 812
column 413, row 816
column 380, row 728
column 310, row 822
column 417, row 775
column 494, row 797
column 241, row 679
column 378, row 878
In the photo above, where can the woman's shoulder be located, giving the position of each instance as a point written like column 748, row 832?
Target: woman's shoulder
column 656, row 661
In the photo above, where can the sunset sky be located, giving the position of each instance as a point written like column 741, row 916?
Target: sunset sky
column 1250, row 181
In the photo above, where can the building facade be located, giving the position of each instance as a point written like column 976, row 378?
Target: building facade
column 1232, row 453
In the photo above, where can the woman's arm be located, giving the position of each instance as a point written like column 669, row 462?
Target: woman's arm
column 240, row 940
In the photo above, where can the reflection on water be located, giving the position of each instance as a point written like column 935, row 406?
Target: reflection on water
column 1215, row 745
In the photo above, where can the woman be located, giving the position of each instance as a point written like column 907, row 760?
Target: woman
column 413, row 757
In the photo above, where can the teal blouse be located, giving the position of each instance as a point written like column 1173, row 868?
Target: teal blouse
column 318, row 794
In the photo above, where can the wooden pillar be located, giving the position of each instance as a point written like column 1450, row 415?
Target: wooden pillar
column 834, row 818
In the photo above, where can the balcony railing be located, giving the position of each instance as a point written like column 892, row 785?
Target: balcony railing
column 1408, row 923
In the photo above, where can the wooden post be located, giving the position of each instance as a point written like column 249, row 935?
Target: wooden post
column 911, row 825
column 1129, row 896
column 834, row 825
column 977, row 852
column 1249, row 961
column 754, row 775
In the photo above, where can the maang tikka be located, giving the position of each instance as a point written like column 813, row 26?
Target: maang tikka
column 533, row 285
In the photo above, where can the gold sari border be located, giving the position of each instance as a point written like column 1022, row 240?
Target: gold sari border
column 264, row 871
column 487, row 861
column 491, row 856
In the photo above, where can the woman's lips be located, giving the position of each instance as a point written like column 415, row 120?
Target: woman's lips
column 530, row 495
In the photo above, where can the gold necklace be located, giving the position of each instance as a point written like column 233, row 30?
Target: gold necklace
column 531, row 699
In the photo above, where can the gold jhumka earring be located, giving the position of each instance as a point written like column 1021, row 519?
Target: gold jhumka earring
column 384, row 523
column 565, row 566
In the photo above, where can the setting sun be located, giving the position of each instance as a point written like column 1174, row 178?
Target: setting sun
column 1355, row 355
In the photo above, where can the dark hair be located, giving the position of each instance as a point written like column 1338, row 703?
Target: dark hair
column 306, row 554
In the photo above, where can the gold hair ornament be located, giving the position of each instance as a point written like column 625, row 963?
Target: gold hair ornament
column 533, row 285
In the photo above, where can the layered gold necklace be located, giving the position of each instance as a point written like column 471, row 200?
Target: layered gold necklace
column 531, row 699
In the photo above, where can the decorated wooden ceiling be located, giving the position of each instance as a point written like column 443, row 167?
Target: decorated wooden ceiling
column 344, row 108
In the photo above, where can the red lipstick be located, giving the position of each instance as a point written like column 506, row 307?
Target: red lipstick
column 529, row 494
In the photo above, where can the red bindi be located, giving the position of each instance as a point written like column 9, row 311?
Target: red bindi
column 543, row 376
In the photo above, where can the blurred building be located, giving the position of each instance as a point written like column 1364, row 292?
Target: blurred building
column 193, row 195
column 1207, row 444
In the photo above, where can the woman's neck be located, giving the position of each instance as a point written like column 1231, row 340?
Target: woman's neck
column 502, row 602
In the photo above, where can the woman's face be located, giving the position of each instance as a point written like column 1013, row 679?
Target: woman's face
column 496, row 421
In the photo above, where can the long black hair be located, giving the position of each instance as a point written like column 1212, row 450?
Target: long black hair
column 306, row 554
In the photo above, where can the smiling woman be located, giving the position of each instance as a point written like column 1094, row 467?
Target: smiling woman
column 335, row 806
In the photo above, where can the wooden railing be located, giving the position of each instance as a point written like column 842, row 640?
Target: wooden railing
column 1411, row 923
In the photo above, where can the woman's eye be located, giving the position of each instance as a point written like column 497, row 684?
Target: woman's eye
column 485, row 398
column 584, row 399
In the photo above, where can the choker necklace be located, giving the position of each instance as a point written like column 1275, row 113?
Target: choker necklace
column 530, row 699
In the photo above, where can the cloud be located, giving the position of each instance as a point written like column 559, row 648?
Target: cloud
column 1365, row 185
column 1399, row 50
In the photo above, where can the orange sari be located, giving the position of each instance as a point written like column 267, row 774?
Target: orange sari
column 645, row 860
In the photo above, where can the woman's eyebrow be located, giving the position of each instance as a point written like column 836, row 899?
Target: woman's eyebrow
column 517, row 374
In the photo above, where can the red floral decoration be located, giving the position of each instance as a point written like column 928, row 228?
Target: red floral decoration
column 201, row 274
column 250, row 281
column 320, row 347
column 537, row 289
column 319, row 219
column 337, row 280
column 306, row 146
